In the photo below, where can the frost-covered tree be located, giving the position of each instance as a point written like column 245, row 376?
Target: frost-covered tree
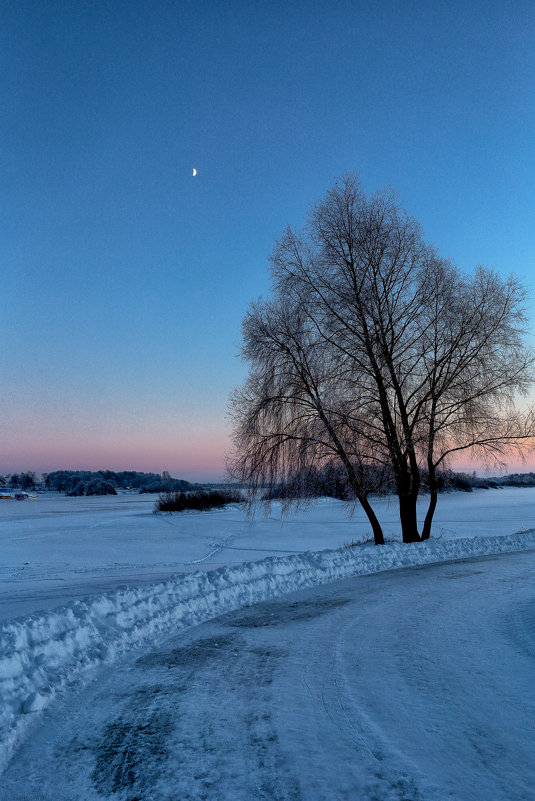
column 378, row 357
column 27, row 480
column 99, row 487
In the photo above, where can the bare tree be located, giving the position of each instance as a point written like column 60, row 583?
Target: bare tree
column 377, row 355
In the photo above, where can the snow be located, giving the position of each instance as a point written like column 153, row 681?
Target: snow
column 47, row 650
column 56, row 550
column 406, row 685
column 33, row 703
column 207, row 564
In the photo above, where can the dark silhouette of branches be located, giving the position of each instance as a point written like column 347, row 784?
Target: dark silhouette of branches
column 378, row 357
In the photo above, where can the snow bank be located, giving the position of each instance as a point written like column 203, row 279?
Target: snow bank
column 48, row 651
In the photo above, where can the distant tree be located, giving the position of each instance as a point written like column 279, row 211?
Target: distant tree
column 78, row 487
column 14, row 480
column 100, row 487
column 27, row 480
column 109, row 475
column 69, row 480
column 378, row 357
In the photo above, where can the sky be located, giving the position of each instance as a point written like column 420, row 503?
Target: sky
column 124, row 279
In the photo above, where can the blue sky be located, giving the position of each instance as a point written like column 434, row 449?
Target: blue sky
column 124, row 279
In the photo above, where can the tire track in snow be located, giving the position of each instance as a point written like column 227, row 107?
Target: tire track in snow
column 50, row 650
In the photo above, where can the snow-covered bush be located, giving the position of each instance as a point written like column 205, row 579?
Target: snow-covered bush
column 199, row 500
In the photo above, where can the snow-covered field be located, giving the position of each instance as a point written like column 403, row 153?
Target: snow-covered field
column 55, row 550
column 75, row 553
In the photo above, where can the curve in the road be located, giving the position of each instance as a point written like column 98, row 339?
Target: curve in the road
column 410, row 685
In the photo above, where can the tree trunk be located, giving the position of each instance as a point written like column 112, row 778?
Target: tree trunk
column 426, row 531
column 408, row 517
column 376, row 526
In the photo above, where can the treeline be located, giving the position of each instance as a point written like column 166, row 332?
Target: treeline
column 25, row 481
column 469, row 482
column 512, row 480
column 107, row 482
column 331, row 482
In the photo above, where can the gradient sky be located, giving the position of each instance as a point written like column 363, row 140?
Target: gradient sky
column 124, row 279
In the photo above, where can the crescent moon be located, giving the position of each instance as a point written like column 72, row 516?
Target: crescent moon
column 194, row 171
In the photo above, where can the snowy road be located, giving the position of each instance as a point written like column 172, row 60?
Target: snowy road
column 414, row 685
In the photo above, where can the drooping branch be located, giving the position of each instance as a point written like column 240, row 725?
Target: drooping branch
column 377, row 353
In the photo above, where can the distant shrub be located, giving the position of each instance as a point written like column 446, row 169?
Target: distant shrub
column 199, row 500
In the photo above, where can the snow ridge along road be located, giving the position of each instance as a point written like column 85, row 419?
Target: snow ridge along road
column 51, row 650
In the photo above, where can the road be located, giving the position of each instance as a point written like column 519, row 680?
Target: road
column 410, row 685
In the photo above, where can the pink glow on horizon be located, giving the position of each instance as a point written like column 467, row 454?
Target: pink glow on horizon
column 196, row 456
column 193, row 451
